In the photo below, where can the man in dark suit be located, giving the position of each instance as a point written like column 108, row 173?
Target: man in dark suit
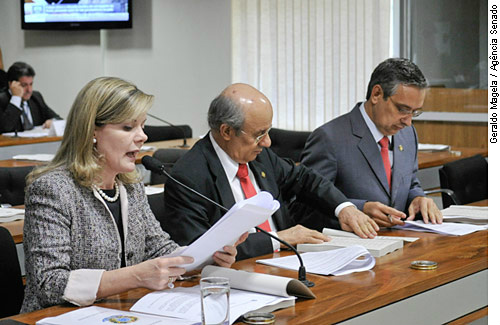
column 240, row 119
column 346, row 150
column 22, row 108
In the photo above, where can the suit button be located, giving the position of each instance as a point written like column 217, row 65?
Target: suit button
column 130, row 255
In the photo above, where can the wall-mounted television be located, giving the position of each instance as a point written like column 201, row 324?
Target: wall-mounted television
column 76, row 14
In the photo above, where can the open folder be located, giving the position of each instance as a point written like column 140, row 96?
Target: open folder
column 242, row 217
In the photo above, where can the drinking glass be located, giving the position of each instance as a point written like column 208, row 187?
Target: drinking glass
column 214, row 301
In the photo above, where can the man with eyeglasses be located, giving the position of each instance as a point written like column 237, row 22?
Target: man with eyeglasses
column 233, row 162
column 370, row 153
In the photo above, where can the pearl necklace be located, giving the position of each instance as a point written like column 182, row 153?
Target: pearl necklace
column 105, row 196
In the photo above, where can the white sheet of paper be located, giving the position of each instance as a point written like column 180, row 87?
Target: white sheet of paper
column 98, row 315
column 150, row 190
column 35, row 157
column 36, row 132
column 431, row 147
column 185, row 303
column 446, row 228
column 240, row 218
column 11, row 214
column 333, row 262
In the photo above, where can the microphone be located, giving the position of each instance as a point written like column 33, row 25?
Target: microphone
column 157, row 167
column 184, row 144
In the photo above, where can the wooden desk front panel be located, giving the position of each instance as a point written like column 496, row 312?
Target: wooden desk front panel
column 343, row 297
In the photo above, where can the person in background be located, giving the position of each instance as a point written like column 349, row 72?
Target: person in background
column 89, row 231
column 21, row 107
column 370, row 153
column 233, row 162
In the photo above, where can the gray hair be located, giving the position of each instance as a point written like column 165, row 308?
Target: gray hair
column 394, row 72
column 225, row 111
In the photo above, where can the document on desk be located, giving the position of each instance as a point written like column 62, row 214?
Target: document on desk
column 446, row 228
column 36, row 132
column 35, row 157
column 11, row 214
column 242, row 217
column 95, row 315
column 466, row 214
column 432, row 147
column 332, row 262
column 185, row 303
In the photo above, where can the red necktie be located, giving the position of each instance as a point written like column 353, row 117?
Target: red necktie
column 384, row 152
column 249, row 190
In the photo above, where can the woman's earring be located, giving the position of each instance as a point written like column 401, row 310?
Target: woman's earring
column 94, row 140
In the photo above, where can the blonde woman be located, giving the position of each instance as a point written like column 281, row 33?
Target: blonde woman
column 89, row 232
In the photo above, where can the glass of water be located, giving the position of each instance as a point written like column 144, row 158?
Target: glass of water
column 214, row 300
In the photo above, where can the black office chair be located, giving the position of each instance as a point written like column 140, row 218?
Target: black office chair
column 13, row 182
column 288, row 143
column 467, row 178
column 157, row 205
column 11, row 283
column 168, row 156
column 161, row 133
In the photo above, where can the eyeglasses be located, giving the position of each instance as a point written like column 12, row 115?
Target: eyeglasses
column 406, row 111
column 259, row 137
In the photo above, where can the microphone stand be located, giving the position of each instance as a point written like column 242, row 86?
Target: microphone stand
column 156, row 166
column 184, row 144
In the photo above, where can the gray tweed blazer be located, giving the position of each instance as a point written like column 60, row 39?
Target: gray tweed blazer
column 68, row 228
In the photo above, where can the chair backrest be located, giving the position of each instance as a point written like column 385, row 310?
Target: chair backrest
column 13, row 182
column 161, row 133
column 168, row 156
column 467, row 177
column 157, row 205
column 288, row 143
column 11, row 283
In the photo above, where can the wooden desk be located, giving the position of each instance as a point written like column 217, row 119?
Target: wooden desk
column 438, row 158
column 11, row 141
column 390, row 293
column 10, row 146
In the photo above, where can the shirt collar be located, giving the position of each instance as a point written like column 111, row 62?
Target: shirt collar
column 377, row 135
column 230, row 166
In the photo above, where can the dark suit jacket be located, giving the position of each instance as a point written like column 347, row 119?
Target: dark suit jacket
column 10, row 115
column 189, row 216
column 345, row 152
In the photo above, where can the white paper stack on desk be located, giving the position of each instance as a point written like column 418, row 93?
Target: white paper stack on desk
column 466, row 214
column 11, row 214
column 378, row 246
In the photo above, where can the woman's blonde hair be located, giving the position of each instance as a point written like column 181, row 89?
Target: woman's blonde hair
column 104, row 100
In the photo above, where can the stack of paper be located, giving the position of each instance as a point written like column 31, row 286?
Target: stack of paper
column 466, row 214
column 432, row 147
column 334, row 262
column 35, row 157
column 378, row 246
column 36, row 132
column 446, row 228
column 11, row 214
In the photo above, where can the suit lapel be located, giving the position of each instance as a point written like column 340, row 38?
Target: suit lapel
column 368, row 147
column 218, row 174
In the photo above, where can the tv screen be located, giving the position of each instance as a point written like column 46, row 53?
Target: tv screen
column 76, row 14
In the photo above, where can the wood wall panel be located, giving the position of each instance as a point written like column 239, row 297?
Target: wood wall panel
column 452, row 133
column 456, row 100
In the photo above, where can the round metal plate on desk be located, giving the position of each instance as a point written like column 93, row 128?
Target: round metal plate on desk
column 258, row 318
column 424, row 265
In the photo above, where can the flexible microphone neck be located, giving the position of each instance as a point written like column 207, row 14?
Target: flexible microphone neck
column 157, row 166
column 184, row 142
